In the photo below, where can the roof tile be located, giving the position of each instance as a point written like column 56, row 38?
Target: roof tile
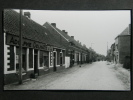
column 30, row 29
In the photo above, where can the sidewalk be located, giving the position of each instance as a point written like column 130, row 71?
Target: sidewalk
column 42, row 80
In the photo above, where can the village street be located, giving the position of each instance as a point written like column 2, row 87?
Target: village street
column 95, row 76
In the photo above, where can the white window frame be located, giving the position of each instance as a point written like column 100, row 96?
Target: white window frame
column 6, row 66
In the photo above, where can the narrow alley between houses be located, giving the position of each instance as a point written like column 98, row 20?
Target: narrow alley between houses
column 95, row 76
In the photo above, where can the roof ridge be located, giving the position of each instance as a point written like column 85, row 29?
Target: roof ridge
column 57, row 31
column 31, row 29
column 70, row 37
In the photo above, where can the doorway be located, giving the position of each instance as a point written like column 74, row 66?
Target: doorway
column 61, row 59
column 35, row 62
column 54, row 61
column 24, row 61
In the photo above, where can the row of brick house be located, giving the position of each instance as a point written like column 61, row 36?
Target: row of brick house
column 120, row 50
column 45, row 48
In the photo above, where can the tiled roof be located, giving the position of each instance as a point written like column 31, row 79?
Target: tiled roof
column 67, row 37
column 125, row 32
column 77, row 44
column 56, row 35
column 30, row 29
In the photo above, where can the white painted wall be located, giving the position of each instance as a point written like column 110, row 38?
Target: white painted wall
column 50, row 60
column 67, row 62
column 6, row 66
column 75, row 58
column 79, row 57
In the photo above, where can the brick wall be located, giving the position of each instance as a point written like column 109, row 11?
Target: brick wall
column 124, row 47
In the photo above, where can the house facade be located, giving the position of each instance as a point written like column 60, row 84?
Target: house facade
column 112, row 56
column 75, row 52
column 44, row 48
column 122, row 46
column 41, row 53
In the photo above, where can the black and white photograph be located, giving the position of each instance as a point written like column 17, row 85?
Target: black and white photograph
column 67, row 49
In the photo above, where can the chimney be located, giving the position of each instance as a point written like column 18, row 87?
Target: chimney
column 63, row 31
column 78, row 41
column 66, row 32
column 53, row 24
column 27, row 14
column 84, row 45
column 72, row 37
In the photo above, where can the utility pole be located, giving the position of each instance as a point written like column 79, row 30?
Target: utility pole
column 20, row 48
column 107, row 47
column 107, row 51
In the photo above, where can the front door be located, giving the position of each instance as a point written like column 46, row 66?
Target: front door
column 61, row 63
column 24, row 61
column 54, row 61
column 35, row 64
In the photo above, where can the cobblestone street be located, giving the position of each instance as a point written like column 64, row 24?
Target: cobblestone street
column 95, row 76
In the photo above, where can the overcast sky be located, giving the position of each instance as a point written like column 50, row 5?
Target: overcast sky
column 96, row 27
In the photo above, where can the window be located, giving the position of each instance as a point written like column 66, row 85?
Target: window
column 24, row 59
column 17, row 58
column 44, row 59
